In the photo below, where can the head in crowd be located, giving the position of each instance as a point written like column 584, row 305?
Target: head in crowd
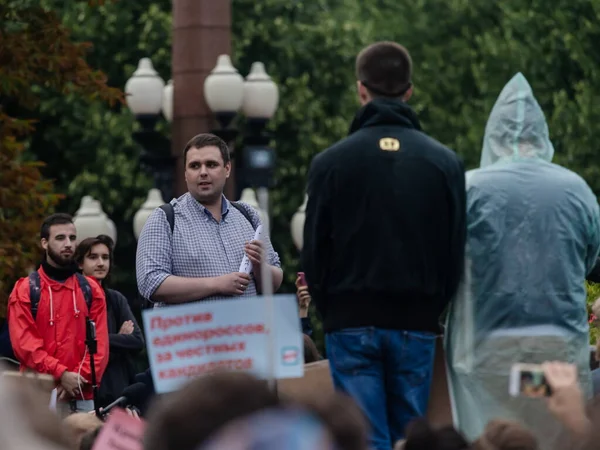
column 94, row 256
column 199, row 414
column 89, row 439
column 58, row 239
column 384, row 70
column 207, row 167
column 343, row 418
column 311, row 353
column 273, row 429
column 185, row 419
column 505, row 435
column 422, row 436
column 78, row 425
column 517, row 127
column 26, row 422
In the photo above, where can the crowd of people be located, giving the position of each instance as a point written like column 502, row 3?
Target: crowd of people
column 402, row 248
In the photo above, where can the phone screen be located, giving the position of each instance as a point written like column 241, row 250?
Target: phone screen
column 528, row 380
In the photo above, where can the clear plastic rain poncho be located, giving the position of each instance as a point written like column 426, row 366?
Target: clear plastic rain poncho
column 533, row 236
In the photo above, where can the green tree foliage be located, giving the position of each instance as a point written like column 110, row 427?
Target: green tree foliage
column 36, row 52
column 88, row 148
column 593, row 294
column 464, row 51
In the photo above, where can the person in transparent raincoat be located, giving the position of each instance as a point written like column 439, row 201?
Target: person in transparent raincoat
column 533, row 236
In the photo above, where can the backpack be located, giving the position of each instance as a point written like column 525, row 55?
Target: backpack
column 170, row 213
column 35, row 291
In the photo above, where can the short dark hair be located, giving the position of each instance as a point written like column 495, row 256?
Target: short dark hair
column 187, row 418
column 85, row 247
column 54, row 219
column 207, row 140
column 385, row 69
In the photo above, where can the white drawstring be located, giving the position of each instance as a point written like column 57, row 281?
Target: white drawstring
column 52, row 306
column 75, row 304
column 52, row 324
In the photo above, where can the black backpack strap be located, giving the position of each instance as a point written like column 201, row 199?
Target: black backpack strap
column 245, row 213
column 170, row 213
column 84, row 285
column 34, row 292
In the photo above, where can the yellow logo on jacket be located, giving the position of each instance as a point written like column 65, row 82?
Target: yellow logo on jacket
column 389, row 144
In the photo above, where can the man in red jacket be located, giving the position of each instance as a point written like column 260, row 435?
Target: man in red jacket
column 47, row 314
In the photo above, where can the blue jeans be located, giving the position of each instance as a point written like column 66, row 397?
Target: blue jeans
column 387, row 372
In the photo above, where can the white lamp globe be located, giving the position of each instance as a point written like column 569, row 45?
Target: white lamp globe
column 249, row 196
column 167, row 101
column 297, row 225
column 261, row 95
column 144, row 90
column 153, row 201
column 90, row 220
column 224, row 87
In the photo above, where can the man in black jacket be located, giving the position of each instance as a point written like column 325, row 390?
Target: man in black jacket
column 384, row 245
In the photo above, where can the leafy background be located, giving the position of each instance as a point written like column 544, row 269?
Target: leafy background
column 464, row 52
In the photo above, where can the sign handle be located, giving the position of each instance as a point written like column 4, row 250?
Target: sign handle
column 267, row 291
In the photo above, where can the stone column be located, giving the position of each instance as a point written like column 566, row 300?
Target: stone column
column 201, row 32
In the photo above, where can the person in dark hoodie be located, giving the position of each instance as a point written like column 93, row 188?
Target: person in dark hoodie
column 384, row 242
column 94, row 257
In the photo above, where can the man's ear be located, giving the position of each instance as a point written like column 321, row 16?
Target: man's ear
column 227, row 169
column 408, row 94
column 363, row 94
column 44, row 243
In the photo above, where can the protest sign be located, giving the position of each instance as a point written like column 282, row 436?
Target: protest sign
column 121, row 432
column 198, row 338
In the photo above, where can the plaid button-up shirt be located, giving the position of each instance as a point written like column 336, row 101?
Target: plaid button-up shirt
column 199, row 246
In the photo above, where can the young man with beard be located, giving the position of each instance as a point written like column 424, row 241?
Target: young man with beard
column 47, row 314
column 198, row 255
column 383, row 247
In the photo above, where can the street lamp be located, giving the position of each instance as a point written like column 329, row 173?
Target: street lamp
column 144, row 92
column 261, row 95
column 249, row 196
column 297, row 224
column 153, row 201
column 257, row 97
column 147, row 96
column 224, row 91
column 167, row 101
column 90, row 220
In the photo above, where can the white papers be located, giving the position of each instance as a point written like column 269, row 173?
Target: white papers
column 246, row 265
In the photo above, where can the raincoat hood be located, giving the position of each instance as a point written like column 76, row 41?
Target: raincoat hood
column 516, row 128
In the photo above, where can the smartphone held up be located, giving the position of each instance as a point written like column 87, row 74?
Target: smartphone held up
column 528, row 380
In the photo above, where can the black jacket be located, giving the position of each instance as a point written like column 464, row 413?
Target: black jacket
column 120, row 371
column 385, row 226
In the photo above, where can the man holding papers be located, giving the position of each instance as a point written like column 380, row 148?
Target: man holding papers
column 192, row 248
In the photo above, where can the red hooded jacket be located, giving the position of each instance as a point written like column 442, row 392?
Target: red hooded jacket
column 55, row 341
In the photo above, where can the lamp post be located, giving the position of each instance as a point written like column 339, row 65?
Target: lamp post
column 256, row 96
column 249, row 197
column 147, row 96
column 153, row 201
column 90, row 220
column 226, row 93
